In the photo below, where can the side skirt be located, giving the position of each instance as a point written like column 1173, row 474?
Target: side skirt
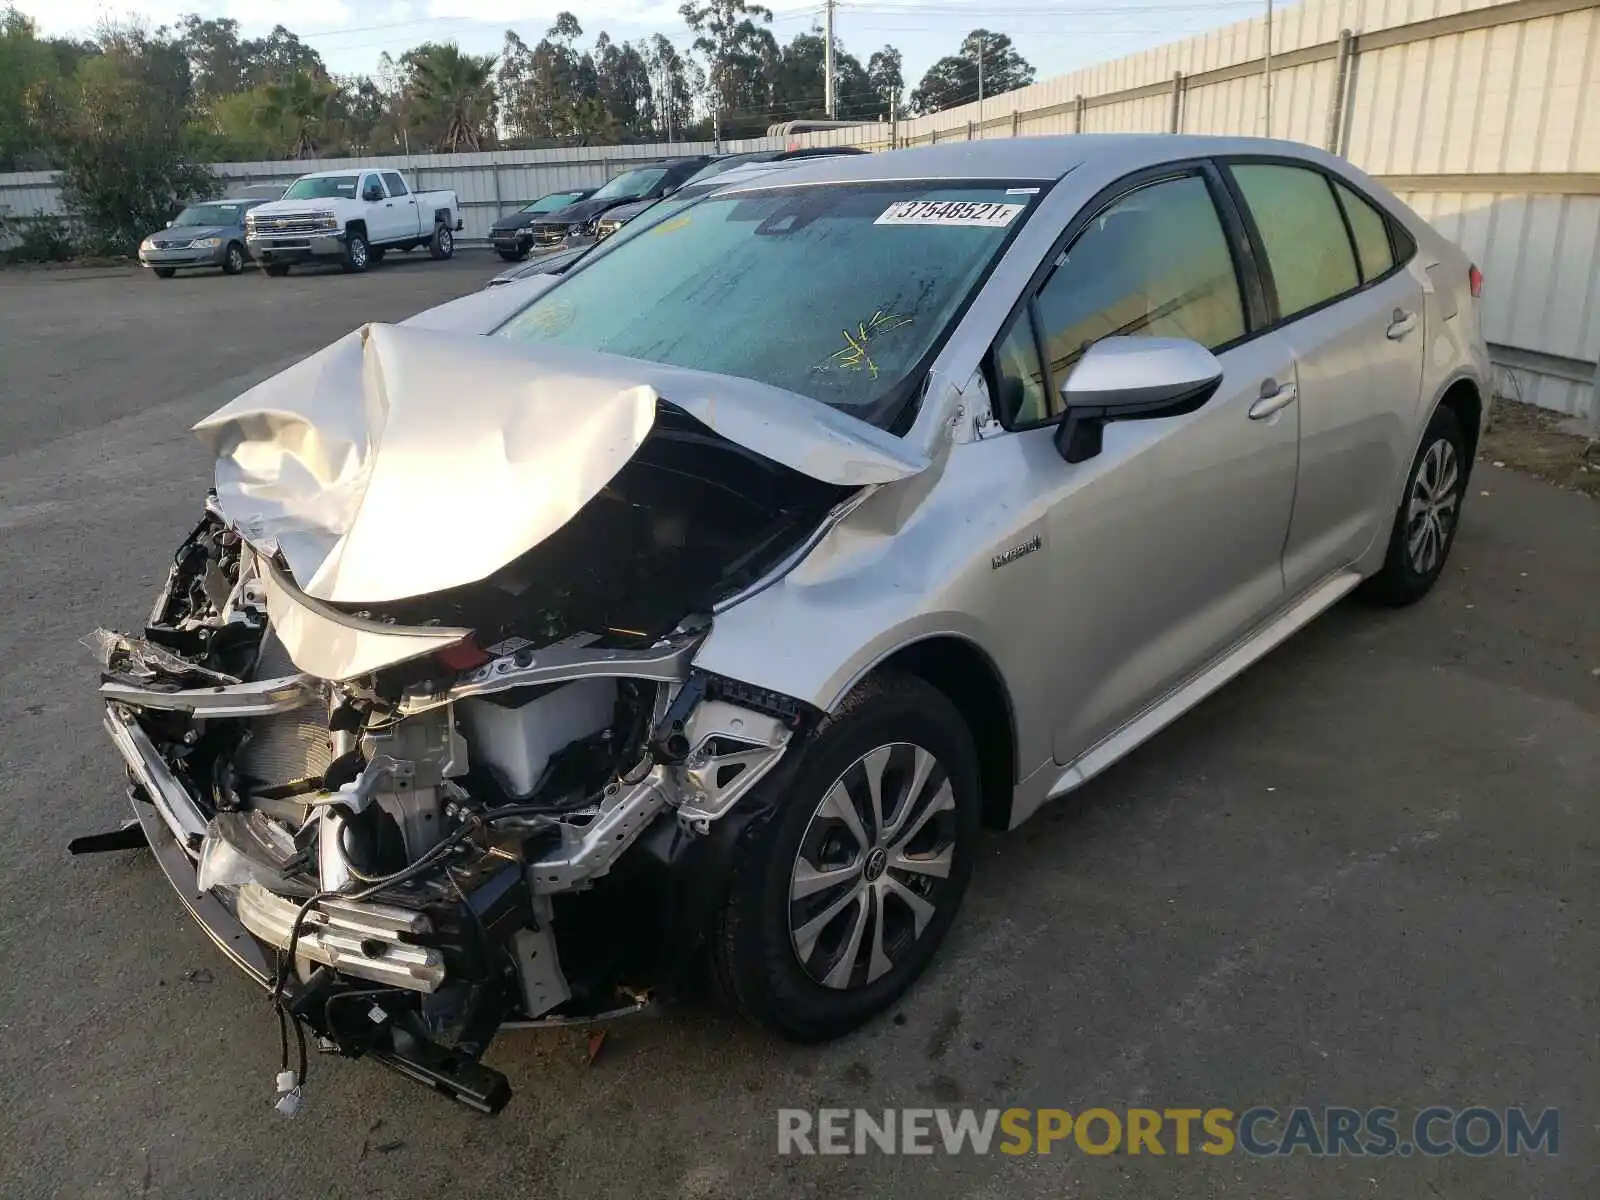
column 1175, row 703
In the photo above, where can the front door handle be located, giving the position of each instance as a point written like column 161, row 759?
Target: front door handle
column 1274, row 398
column 1401, row 324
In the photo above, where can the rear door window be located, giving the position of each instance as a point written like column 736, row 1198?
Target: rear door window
column 1302, row 231
column 1370, row 231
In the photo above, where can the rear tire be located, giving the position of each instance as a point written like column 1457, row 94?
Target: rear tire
column 1429, row 515
column 233, row 259
column 357, row 252
column 443, row 244
column 836, row 905
column 163, row 272
column 275, row 270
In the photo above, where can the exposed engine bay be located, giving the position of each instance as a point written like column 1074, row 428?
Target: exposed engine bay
column 420, row 820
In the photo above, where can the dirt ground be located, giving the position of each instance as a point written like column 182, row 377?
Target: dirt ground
column 1525, row 438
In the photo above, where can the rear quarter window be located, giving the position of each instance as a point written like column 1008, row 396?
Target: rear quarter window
column 1370, row 229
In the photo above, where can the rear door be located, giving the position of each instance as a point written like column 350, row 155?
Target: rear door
column 1353, row 314
column 403, row 204
column 1167, row 544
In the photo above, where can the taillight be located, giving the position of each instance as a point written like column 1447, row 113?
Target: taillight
column 1475, row 281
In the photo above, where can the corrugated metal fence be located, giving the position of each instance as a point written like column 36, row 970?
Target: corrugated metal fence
column 1481, row 114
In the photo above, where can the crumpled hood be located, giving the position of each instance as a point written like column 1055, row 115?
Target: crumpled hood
column 402, row 460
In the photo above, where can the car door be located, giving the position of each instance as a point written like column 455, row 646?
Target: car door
column 1353, row 315
column 1167, row 545
column 407, row 221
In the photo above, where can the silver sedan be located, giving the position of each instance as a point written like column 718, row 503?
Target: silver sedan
column 709, row 606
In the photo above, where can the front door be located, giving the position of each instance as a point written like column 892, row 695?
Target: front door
column 1167, row 545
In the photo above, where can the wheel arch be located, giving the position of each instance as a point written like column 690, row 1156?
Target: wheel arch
column 358, row 225
column 1463, row 397
column 966, row 675
column 1462, row 392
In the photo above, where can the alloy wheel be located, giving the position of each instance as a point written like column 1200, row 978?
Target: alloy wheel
column 358, row 252
column 1431, row 510
column 447, row 242
column 871, row 869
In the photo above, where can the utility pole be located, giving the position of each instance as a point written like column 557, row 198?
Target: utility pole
column 716, row 92
column 830, row 101
column 981, row 39
column 1266, row 74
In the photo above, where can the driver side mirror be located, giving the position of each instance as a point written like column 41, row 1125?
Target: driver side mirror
column 372, row 195
column 1132, row 379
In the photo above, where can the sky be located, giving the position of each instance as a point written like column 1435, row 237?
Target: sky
column 351, row 34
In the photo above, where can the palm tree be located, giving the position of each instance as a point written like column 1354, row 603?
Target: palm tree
column 298, row 104
column 452, row 93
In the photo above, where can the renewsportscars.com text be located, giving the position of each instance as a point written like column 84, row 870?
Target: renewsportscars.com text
column 1260, row 1131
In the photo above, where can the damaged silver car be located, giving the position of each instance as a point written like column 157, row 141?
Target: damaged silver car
column 699, row 615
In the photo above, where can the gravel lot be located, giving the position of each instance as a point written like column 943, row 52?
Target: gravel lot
column 1364, row 874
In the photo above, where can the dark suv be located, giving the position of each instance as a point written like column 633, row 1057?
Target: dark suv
column 578, row 221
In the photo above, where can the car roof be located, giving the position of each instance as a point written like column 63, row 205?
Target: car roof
column 342, row 171
column 1045, row 159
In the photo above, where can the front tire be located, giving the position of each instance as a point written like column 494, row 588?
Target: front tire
column 163, row 272
column 275, row 270
column 512, row 255
column 233, row 259
column 443, row 244
column 1429, row 514
column 357, row 252
column 374, row 255
column 840, row 899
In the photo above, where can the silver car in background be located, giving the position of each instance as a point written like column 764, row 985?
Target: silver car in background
column 707, row 608
column 210, row 234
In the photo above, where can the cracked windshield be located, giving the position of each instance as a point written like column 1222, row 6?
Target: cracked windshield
column 834, row 292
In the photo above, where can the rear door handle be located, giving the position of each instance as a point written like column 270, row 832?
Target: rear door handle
column 1274, row 398
column 1402, row 323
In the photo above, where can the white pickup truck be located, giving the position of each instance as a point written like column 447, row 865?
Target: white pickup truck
column 353, row 216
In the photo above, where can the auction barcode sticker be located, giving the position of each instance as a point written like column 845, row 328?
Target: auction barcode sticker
column 950, row 212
